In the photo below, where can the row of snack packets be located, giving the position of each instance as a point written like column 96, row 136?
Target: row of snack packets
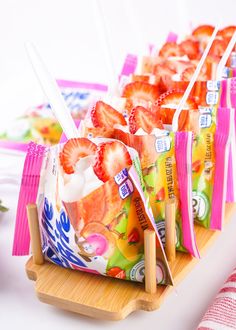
column 98, row 193
column 92, row 208
column 212, row 128
column 174, row 83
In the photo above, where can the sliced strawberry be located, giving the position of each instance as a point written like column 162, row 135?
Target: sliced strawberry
column 188, row 73
column 173, row 97
column 190, row 48
column 203, row 31
column 163, row 69
column 160, row 195
column 132, row 103
column 92, row 132
column 218, row 48
column 103, row 115
column 134, row 237
column 73, row 151
column 141, row 90
column 147, row 64
column 227, row 32
column 170, row 49
column 147, row 78
column 116, row 272
column 111, row 158
column 166, row 106
column 137, row 77
column 140, row 117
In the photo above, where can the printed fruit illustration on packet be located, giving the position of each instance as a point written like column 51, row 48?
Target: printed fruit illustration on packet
column 103, row 219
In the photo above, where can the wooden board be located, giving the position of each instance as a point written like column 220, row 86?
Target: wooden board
column 108, row 298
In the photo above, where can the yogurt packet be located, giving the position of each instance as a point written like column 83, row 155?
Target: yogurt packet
column 158, row 151
column 166, row 159
column 92, row 209
column 210, row 155
column 212, row 134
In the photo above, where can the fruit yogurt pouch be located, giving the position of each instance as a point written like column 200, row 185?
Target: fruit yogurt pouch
column 164, row 109
column 210, row 157
column 105, row 118
column 166, row 167
column 92, row 209
column 207, row 96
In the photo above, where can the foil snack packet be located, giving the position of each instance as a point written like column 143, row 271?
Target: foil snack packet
column 90, row 218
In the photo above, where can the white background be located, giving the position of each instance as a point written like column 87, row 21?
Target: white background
column 68, row 36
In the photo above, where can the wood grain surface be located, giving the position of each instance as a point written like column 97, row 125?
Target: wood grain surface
column 108, row 298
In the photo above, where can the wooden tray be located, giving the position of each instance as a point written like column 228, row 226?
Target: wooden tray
column 108, row 298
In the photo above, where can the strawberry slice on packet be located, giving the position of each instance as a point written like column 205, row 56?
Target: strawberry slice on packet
column 190, row 48
column 227, row 32
column 164, row 72
column 105, row 132
column 203, row 32
column 167, row 104
column 111, row 158
column 141, row 90
column 161, row 69
column 188, row 73
column 141, row 77
column 103, row 115
column 170, row 49
column 140, row 117
column 73, row 151
column 218, row 48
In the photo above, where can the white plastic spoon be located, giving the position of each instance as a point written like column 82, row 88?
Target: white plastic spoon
column 192, row 81
column 50, row 88
column 225, row 57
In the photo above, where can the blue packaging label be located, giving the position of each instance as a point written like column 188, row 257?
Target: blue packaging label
column 205, row 120
column 212, row 98
column 213, row 85
column 121, row 177
column 163, row 144
column 126, row 189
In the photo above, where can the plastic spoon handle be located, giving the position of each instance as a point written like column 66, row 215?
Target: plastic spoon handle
column 192, row 81
column 52, row 92
column 225, row 57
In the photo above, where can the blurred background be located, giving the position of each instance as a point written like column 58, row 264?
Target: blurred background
column 71, row 39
